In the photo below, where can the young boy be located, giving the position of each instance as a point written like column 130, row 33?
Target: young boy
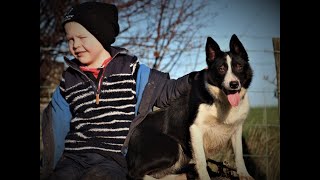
column 104, row 93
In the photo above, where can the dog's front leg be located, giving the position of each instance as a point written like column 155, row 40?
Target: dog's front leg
column 198, row 152
column 237, row 148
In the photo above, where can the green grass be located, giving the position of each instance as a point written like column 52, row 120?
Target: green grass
column 262, row 134
column 262, row 118
column 263, row 115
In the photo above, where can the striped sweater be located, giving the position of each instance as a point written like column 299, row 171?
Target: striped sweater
column 100, row 127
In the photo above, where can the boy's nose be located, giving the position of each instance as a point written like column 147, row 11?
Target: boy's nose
column 76, row 43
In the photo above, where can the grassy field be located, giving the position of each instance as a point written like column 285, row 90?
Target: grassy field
column 262, row 135
column 262, row 115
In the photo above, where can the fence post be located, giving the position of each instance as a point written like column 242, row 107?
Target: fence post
column 276, row 48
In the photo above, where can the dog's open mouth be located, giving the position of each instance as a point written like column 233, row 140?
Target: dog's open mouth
column 233, row 96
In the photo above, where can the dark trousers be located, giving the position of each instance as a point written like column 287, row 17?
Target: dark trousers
column 90, row 166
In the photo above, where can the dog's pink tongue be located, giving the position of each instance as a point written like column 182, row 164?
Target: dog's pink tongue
column 234, row 99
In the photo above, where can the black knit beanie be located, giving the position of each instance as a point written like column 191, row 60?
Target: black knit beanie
column 100, row 19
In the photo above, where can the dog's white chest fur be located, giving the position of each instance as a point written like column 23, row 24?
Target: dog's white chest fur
column 219, row 121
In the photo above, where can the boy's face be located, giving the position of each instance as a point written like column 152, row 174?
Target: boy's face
column 83, row 45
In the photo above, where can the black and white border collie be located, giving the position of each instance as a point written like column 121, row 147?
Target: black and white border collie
column 198, row 124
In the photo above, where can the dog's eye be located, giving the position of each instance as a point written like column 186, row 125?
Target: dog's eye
column 222, row 69
column 238, row 67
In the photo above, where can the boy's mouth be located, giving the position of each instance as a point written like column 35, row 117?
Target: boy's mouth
column 79, row 54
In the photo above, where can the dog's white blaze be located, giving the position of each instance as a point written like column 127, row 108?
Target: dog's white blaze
column 229, row 76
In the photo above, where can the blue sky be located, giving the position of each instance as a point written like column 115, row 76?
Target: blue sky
column 255, row 22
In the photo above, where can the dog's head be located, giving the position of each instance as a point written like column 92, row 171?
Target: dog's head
column 229, row 71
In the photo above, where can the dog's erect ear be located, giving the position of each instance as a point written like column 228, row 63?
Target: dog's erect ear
column 236, row 47
column 212, row 50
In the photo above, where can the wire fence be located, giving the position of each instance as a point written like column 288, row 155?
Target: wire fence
column 263, row 136
column 263, row 141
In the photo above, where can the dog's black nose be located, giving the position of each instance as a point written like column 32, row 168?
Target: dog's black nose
column 234, row 84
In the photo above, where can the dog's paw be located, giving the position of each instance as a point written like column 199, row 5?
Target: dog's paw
column 245, row 177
